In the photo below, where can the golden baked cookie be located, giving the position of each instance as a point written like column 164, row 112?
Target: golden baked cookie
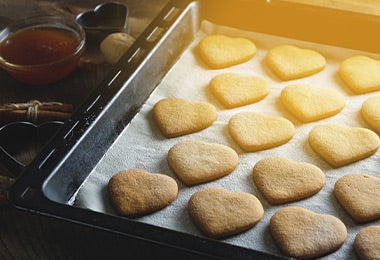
column 291, row 62
column 340, row 145
column 136, row 192
column 281, row 180
column 304, row 234
column 220, row 213
column 234, row 90
column 176, row 117
column 309, row 103
column 361, row 74
column 371, row 112
column 195, row 161
column 220, row 51
column 367, row 243
column 359, row 195
column 253, row 131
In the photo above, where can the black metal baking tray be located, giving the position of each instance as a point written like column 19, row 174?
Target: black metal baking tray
column 49, row 184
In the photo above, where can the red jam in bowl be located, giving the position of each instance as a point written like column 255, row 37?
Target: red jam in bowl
column 41, row 53
column 39, row 46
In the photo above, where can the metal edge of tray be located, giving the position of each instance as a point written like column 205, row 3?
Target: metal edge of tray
column 98, row 122
column 100, row 112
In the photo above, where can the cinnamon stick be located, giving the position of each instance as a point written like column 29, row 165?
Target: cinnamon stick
column 59, row 108
column 42, row 112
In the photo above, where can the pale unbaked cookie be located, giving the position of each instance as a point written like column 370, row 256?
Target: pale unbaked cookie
column 220, row 213
column 309, row 103
column 340, row 145
column 114, row 46
column 361, row 74
column 176, row 117
column 367, row 243
column 220, row 51
column 254, row 132
column 196, row 161
column 136, row 192
column 304, row 234
column 291, row 62
column 281, row 180
column 234, row 90
column 359, row 195
column 371, row 112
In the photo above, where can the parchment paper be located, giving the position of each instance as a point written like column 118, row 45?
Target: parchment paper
column 141, row 145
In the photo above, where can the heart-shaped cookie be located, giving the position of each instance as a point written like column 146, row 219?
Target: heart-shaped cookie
column 309, row 103
column 340, row 145
column 359, row 195
column 361, row 74
column 253, row 131
column 281, row 180
column 176, row 117
column 221, row 213
column 196, row 161
column 234, row 90
column 371, row 112
column 220, row 51
column 367, row 243
column 301, row 233
column 291, row 62
column 136, row 192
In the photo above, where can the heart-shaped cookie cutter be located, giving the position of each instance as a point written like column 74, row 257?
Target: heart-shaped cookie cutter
column 106, row 18
column 21, row 137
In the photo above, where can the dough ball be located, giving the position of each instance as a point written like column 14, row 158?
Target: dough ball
column 115, row 45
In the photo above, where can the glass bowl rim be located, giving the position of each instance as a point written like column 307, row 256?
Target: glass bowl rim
column 46, row 21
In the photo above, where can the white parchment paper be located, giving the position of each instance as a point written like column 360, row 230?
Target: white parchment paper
column 141, row 145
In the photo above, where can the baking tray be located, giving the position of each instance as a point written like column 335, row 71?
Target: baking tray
column 50, row 183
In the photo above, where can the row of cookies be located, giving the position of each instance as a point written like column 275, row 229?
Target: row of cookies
column 337, row 144
column 305, row 102
column 280, row 180
column 287, row 62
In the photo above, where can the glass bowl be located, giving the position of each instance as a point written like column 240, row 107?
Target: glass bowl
column 41, row 50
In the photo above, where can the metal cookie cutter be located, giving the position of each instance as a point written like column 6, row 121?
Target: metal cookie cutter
column 21, row 139
column 106, row 18
column 24, row 140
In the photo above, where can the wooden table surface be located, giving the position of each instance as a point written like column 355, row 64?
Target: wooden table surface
column 30, row 236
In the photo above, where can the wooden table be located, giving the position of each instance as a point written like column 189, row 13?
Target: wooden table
column 29, row 236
